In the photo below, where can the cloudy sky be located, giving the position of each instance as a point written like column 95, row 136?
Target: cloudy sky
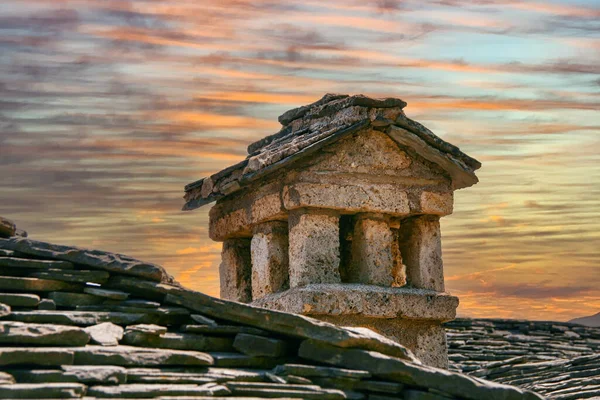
column 108, row 108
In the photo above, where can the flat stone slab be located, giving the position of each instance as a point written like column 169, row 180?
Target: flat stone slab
column 318, row 371
column 82, row 318
column 35, row 284
column 400, row 371
column 79, row 276
column 149, row 329
column 192, row 375
column 179, row 341
column 254, row 345
column 237, row 360
column 289, row 324
column 68, row 299
column 138, row 356
column 6, row 378
column 6, row 253
column 42, row 391
column 223, row 330
column 107, row 293
column 36, row 356
column 364, row 300
column 284, row 390
column 156, row 390
column 13, row 262
column 105, row 334
column 92, row 258
column 20, row 333
column 138, row 303
column 88, row 374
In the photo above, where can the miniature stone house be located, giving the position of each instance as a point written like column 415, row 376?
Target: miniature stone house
column 337, row 217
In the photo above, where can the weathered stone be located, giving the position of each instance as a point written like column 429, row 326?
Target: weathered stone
column 372, row 252
column 7, row 228
column 14, row 262
column 89, row 374
column 141, row 287
column 135, row 390
column 202, row 320
column 180, row 341
column 223, row 330
column 421, row 395
column 421, row 248
column 42, row 334
column 79, row 276
column 137, row 303
column 269, row 254
column 461, row 174
column 192, row 375
column 437, row 203
column 92, row 258
column 42, row 391
column 319, row 371
column 286, row 390
column 137, row 356
column 35, row 284
column 356, row 198
column 83, row 318
column 314, row 251
column 411, row 374
column 237, row 360
column 235, row 270
column 68, row 299
column 289, row 324
column 36, row 356
column 6, row 253
column 47, row 304
column 380, row 386
column 107, row 293
column 253, row 345
column 148, row 329
column 363, row 300
column 105, row 334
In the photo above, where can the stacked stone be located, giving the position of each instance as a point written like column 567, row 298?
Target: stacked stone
column 557, row 359
column 87, row 323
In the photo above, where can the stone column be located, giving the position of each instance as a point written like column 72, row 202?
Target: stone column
column 421, row 248
column 314, row 247
column 235, row 270
column 372, row 251
column 269, row 250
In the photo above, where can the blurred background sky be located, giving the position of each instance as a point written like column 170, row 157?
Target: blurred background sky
column 108, row 108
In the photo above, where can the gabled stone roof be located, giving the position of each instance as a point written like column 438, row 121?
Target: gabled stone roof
column 557, row 359
column 309, row 128
column 81, row 323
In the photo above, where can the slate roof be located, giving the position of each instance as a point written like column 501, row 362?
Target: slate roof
column 78, row 323
column 557, row 359
column 309, row 128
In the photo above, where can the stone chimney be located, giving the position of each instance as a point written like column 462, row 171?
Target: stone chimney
column 337, row 217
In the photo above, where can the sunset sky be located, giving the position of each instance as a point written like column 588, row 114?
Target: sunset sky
column 108, row 108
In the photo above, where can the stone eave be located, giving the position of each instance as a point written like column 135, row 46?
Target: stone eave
column 296, row 141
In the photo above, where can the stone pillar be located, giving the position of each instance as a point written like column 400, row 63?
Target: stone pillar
column 372, row 251
column 235, row 270
column 314, row 247
column 269, row 250
column 421, row 248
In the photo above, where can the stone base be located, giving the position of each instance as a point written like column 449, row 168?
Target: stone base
column 426, row 339
column 412, row 317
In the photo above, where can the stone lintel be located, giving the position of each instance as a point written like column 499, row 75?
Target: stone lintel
column 270, row 261
column 434, row 203
column 235, row 270
column 421, row 248
column 375, row 198
column 314, row 247
column 368, row 301
column 372, row 251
